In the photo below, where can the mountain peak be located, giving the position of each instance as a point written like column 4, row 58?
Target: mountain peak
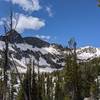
column 13, row 37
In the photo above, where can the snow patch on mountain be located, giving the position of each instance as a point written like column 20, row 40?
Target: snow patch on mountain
column 43, row 50
column 52, row 50
column 46, row 69
column 43, row 62
column 48, row 58
column 88, row 52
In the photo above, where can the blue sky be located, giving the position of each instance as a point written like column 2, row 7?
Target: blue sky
column 58, row 20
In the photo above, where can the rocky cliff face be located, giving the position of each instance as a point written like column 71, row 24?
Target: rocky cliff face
column 48, row 57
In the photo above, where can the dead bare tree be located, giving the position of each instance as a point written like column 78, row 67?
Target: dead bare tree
column 8, row 27
column 5, row 67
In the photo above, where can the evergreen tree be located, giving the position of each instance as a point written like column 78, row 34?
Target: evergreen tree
column 58, row 88
column 39, row 86
column 72, row 81
column 34, row 92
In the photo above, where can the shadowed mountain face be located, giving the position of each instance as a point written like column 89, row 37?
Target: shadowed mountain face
column 15, row 37
column 48, row 57
column 36, row 42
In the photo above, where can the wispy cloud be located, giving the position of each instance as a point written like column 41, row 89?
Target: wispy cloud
column 27, row 5
column 44, row 37
column 26, row 22
column 49, row 11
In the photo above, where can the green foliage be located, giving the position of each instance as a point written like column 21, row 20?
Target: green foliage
column 98, row 0
column 21, row 94
column 1, row 89
column 98, row 3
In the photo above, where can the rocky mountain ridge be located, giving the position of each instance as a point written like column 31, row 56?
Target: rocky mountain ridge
column 48, row 57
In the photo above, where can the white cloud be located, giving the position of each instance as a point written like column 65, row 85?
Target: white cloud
column 26, row 22
column 27, row 5
column 43, row 37
column 48, row 9
column 29, row 22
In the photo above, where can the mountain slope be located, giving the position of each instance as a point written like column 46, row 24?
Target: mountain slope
column 88, row 52
column 48, row 57
column 45, row 55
